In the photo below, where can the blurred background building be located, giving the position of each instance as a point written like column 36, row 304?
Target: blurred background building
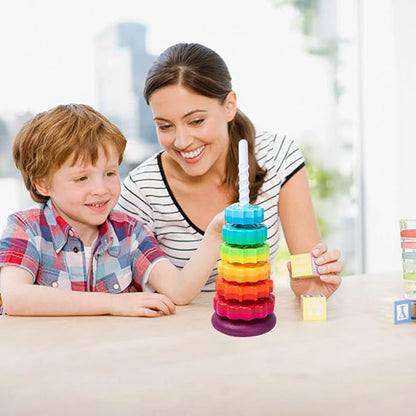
column 122, row 62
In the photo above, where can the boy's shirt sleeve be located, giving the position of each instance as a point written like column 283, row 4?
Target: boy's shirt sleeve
column 18, row 247
column 145, row 254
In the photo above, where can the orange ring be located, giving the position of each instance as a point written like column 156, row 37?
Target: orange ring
column 243, row 273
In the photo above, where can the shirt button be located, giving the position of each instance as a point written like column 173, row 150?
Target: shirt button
column 75, row 250
column 116, row 286
column 71, row 233
column 55, row 284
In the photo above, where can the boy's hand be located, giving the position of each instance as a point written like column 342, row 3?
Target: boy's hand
column 329, row 268
column 145, row 304
column 214, row 228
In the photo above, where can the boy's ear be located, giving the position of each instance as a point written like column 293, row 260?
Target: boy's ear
column 42, row 187
column 231, row 105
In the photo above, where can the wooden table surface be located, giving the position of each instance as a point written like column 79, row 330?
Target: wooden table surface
column 350, row 364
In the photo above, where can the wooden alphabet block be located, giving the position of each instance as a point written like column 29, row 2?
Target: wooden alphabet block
column 397, row 311
column 412, row 308
column 313, row 307
column 303, row 265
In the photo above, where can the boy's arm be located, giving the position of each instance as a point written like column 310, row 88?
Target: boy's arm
column 22, row 297
column 182, row 286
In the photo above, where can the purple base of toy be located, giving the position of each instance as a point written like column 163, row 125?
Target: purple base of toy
column 240, row 328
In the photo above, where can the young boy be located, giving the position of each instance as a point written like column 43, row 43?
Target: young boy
column 73, row 254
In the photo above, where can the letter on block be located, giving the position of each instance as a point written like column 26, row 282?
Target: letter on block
column 395, row 311
column 303, row 265
column 313, row 307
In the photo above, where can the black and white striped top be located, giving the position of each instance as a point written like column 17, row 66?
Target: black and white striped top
column 146, row 195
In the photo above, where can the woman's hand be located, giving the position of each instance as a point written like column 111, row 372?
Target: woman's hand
column 329, row 268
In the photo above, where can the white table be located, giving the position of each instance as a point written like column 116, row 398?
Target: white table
column 350, row 364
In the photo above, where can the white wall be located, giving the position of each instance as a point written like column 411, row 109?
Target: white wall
column 404, row 13
column 389, row 142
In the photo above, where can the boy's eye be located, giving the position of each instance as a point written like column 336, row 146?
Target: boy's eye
column 81, row 179
column 112, row 173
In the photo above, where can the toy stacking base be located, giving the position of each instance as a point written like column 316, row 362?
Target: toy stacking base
column 240, row 328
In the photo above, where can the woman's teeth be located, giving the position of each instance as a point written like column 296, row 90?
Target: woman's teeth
column 194, row 153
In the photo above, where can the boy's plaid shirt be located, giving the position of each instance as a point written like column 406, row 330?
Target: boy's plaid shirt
column 42, row 243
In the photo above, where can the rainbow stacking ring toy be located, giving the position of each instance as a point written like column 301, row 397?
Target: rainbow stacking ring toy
column 244, row 302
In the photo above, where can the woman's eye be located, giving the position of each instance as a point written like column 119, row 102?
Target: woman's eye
column 197, row 122
column 163, row 127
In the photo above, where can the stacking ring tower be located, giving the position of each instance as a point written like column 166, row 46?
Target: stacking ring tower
column 244, row 302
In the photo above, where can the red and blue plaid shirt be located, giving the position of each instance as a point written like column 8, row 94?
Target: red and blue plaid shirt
column 42, row 243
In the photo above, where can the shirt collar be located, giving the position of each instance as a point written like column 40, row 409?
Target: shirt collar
column 61, row 231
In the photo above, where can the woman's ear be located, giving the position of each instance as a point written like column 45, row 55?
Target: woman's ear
column 42, row 187
column 231, row 105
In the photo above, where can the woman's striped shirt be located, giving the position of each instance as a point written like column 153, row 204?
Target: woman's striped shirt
column 146, row 195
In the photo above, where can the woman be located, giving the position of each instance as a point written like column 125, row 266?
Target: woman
column 178, row 191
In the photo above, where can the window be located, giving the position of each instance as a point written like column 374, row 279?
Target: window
column 293, row 67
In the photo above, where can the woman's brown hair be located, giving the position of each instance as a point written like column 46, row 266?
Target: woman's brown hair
column 203, row 71
column 46, row 142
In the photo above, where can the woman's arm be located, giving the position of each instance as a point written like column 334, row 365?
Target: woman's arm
column 22, row 297
column 184, row 285
column 302, row 235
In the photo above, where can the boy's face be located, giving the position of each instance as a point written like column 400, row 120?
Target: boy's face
column 84, row 194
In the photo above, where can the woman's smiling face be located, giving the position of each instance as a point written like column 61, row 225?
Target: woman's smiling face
column 192, row 128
